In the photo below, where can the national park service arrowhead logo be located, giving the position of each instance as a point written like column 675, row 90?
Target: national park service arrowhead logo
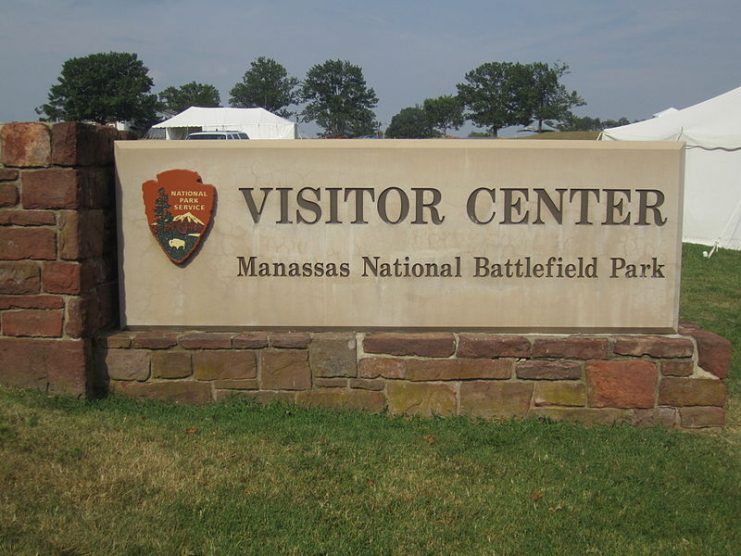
column 179, row 210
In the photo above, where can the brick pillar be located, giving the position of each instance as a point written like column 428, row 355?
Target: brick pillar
column 58, row 272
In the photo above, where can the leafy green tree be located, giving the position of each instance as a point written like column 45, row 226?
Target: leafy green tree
column 411, row 123
column 570, row 122
column 339, row 100
column 444, row 112
column 103, row 88
column 615, row 123
column 550, row 101
column 265, row 85
column 495, row 95
column 585, row 123
column 177, row 99
column 480, row 135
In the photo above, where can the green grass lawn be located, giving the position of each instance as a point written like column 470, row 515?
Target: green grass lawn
column 711, row 297
column 127, row 477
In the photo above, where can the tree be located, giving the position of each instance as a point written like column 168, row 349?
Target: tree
column 444, row 112
column 548, row 98
column 339, row 99
column 103, row 88
column 576, row 123
column 480, row 135
column 265, row 85
column 585, row 123
column 494, row 95
column 162, row 214
column 411, row 123
column 615, row 123
column 177, row 99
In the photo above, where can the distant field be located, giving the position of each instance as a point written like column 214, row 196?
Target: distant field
column 564, row 135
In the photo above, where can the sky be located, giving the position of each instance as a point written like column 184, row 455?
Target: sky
column 627, row 58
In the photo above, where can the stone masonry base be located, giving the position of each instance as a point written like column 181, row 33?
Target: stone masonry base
column 664, row 380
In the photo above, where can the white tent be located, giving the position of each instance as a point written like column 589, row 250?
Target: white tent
column 258, row 123
column 711, row 131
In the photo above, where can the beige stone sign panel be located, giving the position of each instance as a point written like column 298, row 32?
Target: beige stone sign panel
column 541, row 235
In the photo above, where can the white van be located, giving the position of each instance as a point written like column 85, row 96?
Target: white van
column 217, row 135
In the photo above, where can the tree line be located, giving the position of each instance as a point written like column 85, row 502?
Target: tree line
column 115, row 86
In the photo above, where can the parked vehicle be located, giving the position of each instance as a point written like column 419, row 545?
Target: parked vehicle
column 217, row 135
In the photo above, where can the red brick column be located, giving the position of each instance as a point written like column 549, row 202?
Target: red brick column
column 58, row 267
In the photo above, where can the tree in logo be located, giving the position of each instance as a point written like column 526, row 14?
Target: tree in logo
column 162, row 215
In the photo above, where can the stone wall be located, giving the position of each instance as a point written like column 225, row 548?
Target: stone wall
column 59, row 319
column 673, row 381
column 58, row 272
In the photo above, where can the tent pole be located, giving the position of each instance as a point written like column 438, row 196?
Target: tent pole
column 716, row 245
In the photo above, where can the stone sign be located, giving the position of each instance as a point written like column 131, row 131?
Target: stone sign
column 501, row 235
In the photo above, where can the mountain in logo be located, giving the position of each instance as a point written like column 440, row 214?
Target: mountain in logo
column 187, row 217
column 188, row 223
